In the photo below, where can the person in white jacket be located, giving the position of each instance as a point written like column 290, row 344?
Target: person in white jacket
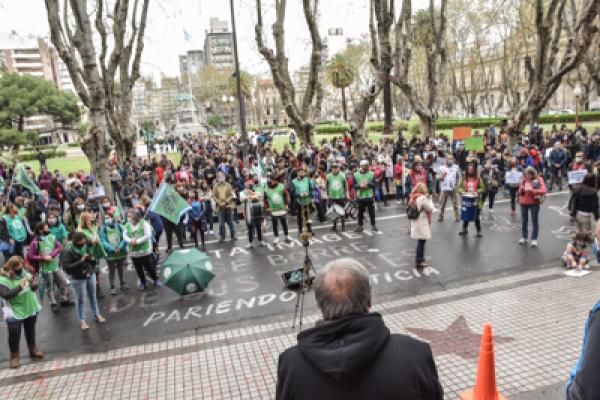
column 420, row 228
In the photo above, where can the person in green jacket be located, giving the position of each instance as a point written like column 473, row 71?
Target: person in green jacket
column 17, row 288
column 57, row 228
column 336, row 191
column 276, row 205
column 88, row 228
column 472, row 185
column 364, row 183
column 304, row 192
column 115, row 247
column 17, row 230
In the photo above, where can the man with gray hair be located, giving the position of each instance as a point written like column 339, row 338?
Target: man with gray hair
column 351, row 354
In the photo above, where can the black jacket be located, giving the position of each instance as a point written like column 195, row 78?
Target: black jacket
column 74, row 265
column 584, row 199
column 357, row 358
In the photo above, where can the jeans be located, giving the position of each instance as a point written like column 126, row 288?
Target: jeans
column 399, row 193
column 115, row 265
column 14, row 332
column 225, row 217
column 56, row 285
column 89, row 285
column 513, row 197
column 284, row 225
column 491, row 195
column 368, row 204
column 535, row 210
column 420, row 257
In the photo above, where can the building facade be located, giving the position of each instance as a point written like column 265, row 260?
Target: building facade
column 192, row 61
column 268, row 108
column 218, row 45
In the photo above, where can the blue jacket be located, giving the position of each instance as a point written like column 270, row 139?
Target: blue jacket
column 106, row 244
column 155, row 221
column 558, row 157
column 583, row 382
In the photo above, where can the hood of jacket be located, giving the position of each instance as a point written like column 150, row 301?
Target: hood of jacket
column 342, row 348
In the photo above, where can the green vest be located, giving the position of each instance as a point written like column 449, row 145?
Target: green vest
column 302, row 186
column 96, row 250
column 45, row 248
column 275, row 197
column 336, row 185
column 16, row 228
column 59, row 231
column 137, row 233
column 25, row 304
column 364, row 178
column 114, row 237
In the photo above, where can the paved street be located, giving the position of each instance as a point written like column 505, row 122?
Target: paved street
column 245, row 316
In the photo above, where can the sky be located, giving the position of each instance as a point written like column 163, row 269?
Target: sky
column 168, row 19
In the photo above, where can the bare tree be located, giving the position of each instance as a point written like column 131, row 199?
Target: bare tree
column 562, row 36
column 381, row 19
column 435, row 50
column 300, row 115
column 103, row 81
column 592, row 62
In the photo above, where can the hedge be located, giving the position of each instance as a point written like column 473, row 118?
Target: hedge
column 40, row 147
column 73, row 144
column 28, row 156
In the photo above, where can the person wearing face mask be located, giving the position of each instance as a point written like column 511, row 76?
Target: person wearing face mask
column 138, row 235
column 205, row 196
column 109, row 208
column 80, row 265
column 115, row 247
column 491, row 182
column 21, row 306
column 196, row 218
column 303, row 190
column 73, row 214
column 224, row 197
column 579, row 163
column 337, row 193
column 88, row 227
column 364, row 183
column 471, row 187
column 252, row 199
column 17, row 231
column 449, row 178
column 44, row 251
column 276, row 205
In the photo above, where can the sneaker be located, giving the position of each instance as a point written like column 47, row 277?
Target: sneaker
column 276, row 240
column 221, row 240
column 210, row 232
column 249, row 246
column 100, row 319
column 233, row 238
column 157, row 284
column 67, row 303
column 522, row 241
column 262, row 244
column 462, row 233
column 124, row 287
column 113, row 291
column 358, row 229
column 374, row 228
column 534, row 243
column 287, row 239
column 492, row 211
column 479, row 235
column 84, row 326
column 141, row 287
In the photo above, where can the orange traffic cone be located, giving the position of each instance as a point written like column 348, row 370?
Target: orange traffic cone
column 485, row 383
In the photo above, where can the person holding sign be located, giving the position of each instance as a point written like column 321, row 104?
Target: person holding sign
column 532, row 192
column 471, row 188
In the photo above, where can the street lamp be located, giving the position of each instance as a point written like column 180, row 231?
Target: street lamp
column 577, row 94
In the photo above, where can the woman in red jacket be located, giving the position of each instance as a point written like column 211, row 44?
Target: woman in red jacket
column 532, row 191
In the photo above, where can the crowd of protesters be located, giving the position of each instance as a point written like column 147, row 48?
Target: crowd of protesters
column 57, row 237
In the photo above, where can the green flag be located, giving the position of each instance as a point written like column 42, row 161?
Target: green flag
column 24, row 180
column 168, row 203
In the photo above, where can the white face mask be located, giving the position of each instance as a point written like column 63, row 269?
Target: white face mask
column 52, row 221
column 81, row 207
column 105, row 205
column 108, row 220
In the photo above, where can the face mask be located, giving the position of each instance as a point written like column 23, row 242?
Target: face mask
column 578, row 159
column 108, row 221
column 45, row 233
column 52, row 221
column 105, row 205
column 81, row 207
column 19, row 272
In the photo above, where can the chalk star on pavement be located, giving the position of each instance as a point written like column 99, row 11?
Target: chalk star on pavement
column 456, row 339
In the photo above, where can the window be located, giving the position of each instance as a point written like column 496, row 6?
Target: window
column 274, row 122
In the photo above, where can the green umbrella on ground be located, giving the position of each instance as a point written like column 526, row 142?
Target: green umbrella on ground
column 187, row 271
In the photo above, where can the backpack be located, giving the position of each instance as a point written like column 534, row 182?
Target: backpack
column 412, row 211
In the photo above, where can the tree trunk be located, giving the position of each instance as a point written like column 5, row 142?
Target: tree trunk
column 125, row 139
column 305, row 133
column 387, row 107
column 344, row 107
column 427, row 126
column 96, row 147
